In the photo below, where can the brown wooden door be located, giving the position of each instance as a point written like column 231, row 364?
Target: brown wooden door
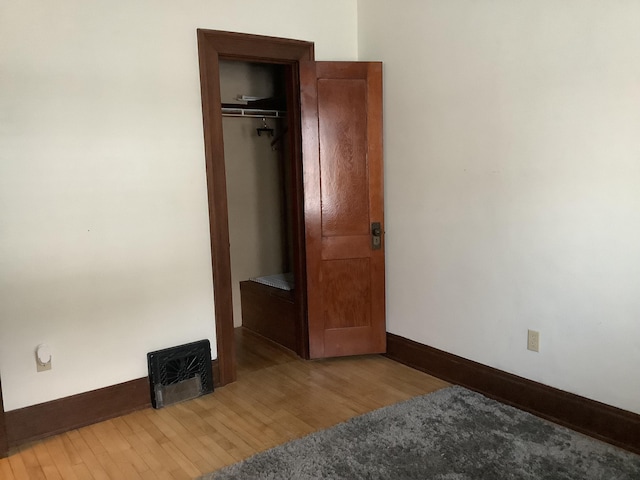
column 341, row 105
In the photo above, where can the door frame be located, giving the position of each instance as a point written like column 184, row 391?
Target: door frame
column 213, row 46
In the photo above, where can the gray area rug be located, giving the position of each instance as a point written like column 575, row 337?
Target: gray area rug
column 451, row 434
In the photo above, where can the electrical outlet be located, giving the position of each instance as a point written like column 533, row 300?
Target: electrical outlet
column 533, row 340
column 43, row 367
column 43, row 358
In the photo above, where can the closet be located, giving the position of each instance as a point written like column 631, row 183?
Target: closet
column 259, row 199
column 333, row 114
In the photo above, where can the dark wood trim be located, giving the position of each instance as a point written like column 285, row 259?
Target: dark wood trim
column 218, row 214
column 604, row 422
column 212, row 47
column 4, row 444
column 292, row 77
column 50, row 418
column 215, row 371
column 270, row 312
column 257, row 48
column 58, row 416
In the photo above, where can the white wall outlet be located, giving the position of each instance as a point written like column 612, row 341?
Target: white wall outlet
column 43, row 358
column 533, row 340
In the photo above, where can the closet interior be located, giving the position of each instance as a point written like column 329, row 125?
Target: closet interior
column 260, row 201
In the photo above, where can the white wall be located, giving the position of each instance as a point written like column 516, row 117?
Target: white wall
column 511, row 181
column 104, row 240
column 513, row 184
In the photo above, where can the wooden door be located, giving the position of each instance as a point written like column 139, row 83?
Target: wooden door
column 341, row 104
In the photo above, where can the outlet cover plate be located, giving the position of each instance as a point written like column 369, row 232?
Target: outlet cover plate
column 533, row 340
column 43, row 368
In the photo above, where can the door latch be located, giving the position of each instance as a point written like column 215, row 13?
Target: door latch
column 376, row 236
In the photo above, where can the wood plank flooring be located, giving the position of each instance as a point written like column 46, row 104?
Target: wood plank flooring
column 277, row 398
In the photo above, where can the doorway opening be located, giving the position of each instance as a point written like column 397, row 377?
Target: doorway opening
column 260, row 186
column 214, row 47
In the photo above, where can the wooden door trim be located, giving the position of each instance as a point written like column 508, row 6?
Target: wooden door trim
column 213, row 46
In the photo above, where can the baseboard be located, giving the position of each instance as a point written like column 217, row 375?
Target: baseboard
column 51, row 418
column 4, row 444
column 610, row 424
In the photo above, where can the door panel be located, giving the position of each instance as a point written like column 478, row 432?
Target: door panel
column 346, row 289
column 341, row 106
column 343, row 138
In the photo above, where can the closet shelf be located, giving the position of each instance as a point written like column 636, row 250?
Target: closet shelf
column 233, row 110
column 274, row 107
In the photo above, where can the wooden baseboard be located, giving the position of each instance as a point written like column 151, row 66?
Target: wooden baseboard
column 4, row 444
column 50, row 418
column 610, row 424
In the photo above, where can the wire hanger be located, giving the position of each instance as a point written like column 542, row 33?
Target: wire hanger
column 264, row 128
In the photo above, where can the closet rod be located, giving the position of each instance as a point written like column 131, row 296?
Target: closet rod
column 252, row 113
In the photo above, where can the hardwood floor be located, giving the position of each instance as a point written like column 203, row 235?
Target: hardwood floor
column 277, row 398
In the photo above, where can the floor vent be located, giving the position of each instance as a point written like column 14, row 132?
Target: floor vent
column 180, row 373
